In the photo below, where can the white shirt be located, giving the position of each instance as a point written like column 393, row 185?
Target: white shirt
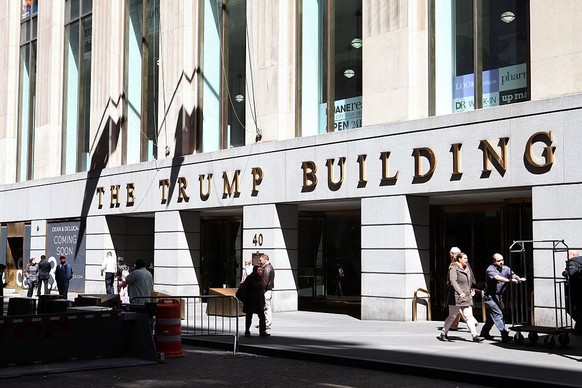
column 109, row 265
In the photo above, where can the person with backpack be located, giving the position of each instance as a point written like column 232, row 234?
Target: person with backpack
column 573, row 292
column 252, row 294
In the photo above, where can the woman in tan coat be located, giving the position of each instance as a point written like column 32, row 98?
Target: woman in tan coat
column 460, row 297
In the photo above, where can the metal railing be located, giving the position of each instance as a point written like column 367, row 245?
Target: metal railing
column 416, row 300
column 202, row 315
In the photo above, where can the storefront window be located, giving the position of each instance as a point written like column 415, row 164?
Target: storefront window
column 27, row 97
column 490, row 38
column 331, row 65
column 77, row 86
column 142, row 70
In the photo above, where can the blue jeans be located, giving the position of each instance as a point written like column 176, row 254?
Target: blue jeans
column 494, row 315
column 109, row 277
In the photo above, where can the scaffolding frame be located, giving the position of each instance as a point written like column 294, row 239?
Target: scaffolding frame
column 523, row 322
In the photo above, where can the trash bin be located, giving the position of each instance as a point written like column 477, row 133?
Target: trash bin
column 21, row 306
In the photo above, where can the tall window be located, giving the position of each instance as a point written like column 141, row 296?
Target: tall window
column 77, row 86
column 27, row 97
column 330, row 65
column 480, row 54
column 142, row 77
column 223, row 81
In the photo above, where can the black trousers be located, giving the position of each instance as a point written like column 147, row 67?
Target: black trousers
column 249, row 321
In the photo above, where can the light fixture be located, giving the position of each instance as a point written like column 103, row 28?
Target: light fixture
column 357, row 41
column 349, row 72
column 507, row 17
column 239, row 97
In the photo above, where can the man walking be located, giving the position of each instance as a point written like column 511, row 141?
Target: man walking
column 109, row 267
column 44, row 272
column 497, row 275
column 268, row 280
column 63, row 275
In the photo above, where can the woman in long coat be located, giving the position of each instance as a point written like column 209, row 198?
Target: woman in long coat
column 460, row 296
column 252, row 294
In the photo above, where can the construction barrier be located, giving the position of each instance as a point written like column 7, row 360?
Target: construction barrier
column 85, row 335
column 168, row 328
column 196, row 319
column 21, row 306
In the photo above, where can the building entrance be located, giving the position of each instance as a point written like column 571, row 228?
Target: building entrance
column 221, row 254
column 329, row 263
column 16, row 253
column 479, row 230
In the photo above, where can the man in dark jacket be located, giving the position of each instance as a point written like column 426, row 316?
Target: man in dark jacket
column 44, row 271
column 574, row 290
column 63, row 275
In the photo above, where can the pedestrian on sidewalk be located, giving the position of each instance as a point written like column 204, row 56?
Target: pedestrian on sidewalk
column 44, row 273
column 3, row 284
column 460, row 297
column 453, row 252
column 109, row 267
column 31, row 274
column 63, row 275
column 122, row 272
column 139, row 282
column 573, row 292
column 252, row 294
column 498, row 276
column 247, row 269
column 268, row 279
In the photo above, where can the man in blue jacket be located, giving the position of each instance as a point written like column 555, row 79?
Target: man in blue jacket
column 63, row 275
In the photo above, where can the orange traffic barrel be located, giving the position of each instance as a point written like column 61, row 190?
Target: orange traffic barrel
column 168, row 328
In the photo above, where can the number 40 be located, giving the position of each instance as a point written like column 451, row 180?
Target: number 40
column 258, row 239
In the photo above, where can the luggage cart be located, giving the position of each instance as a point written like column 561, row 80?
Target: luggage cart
column 522, row 321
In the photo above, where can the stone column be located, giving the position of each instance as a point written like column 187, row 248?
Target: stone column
column 395, row 255
column 177, row 253
column 9, row 34
column 49, row 90
column 395, row 60
column 272, row 229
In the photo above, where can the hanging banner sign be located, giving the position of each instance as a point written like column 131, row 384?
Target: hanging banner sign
column 63, row 238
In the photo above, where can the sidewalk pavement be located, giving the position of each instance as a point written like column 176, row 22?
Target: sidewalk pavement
column 410, row 348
